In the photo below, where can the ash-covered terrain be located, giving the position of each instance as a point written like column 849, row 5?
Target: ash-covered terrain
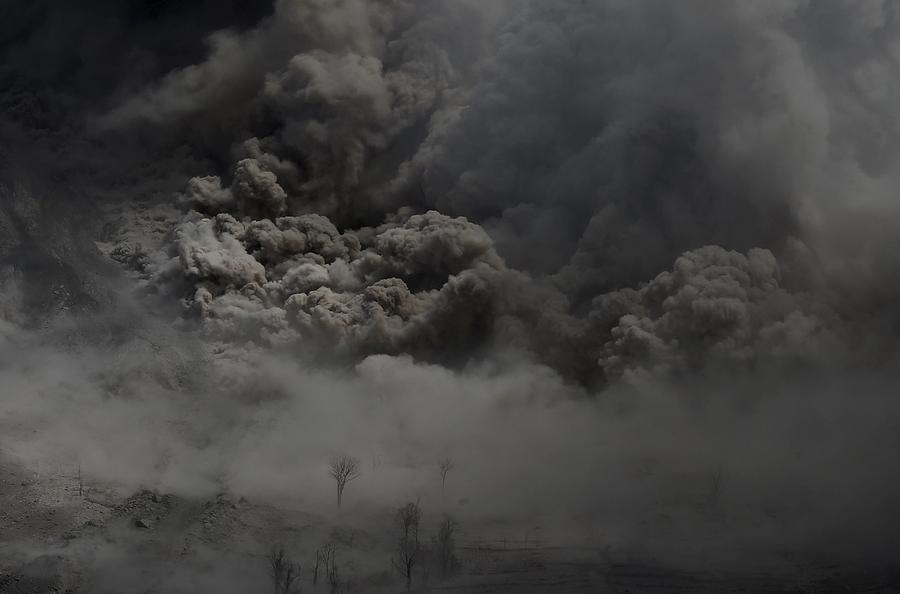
column 424, row 295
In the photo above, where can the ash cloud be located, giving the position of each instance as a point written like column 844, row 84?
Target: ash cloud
column 595, row 143
column 621, row 233
column 300, row 278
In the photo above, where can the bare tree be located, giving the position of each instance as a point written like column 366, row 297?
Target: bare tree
column 445, row 465
column 325, row 560
column 408, row 550
column 284, row 572
column 445, row 546
column 343, row 470
column 333, row 580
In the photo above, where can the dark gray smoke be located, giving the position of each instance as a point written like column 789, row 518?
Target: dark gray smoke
column 594, row 142
column 663, row 208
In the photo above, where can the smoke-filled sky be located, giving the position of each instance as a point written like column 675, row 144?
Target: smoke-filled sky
column 569, row 233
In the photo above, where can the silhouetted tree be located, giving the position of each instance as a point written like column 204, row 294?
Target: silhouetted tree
column 284, row 573
column 343, row 470
column 445, row 546
column 333, row 580
column 408, row 550
column 445, row 465
column 325, row 560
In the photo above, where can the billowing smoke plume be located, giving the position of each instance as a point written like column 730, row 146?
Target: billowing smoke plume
column 589, row 145
column 571, row 224
column 300, row 276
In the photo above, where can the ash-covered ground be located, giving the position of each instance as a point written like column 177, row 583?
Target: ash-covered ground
column 593, row 295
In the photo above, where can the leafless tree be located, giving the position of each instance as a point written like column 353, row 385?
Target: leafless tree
column 333, row 581
column 408, row 550
column 325, row 560
column 445, row 546
column 343, row 470
column 408, row 518
column 445, row 465
column 284, row 572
